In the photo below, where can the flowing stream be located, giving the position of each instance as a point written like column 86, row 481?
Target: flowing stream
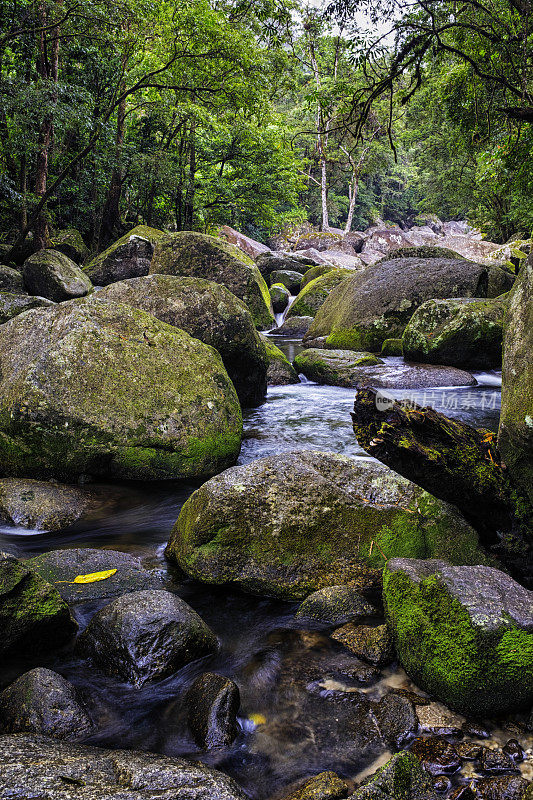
column 297, row 714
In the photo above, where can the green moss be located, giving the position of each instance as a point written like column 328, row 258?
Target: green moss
column 447, row 657
column 315, row 293
column 316, row 272
column 392, row 347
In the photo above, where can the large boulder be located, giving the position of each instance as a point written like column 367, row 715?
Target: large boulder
column 515, row 437
column 245, row 243
column 464, row 634
column 46, row 768
column 280, row 370
column 11, row 305
column 51, row 274
column 333, row 367
column 197, row 255
column 40, row 505
column 383, row 241
column 33, row 616
column 61, row 567
column 70, row 242
column 104, row 389
column 290, row 524
column 289, row 278
column 206, row 311
column 145, row 636
column 316, row 292
column 294, row 326
column 11, row 280
column 274, row 261
column 377, row 304
column 464, row 332
column 41, row 701
column 318, row 240
column 316, row 272
column 129, row 257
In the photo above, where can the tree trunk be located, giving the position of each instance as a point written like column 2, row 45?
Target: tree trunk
column 353, row 191
column 191, row 185
column 111, row 213
column 454, row 462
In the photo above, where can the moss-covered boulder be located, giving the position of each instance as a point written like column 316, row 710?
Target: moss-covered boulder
column 208, row 312
column 51, row 274
column 289, row 278
column 318, row 240
column 294, row 326
column 316, row 292
column 335, row 605
column 101, row 388
column 41, row 505
column 402, row 778
column 280, row 370
column 70, row 242
column 41, row 701
column 128, row 257
column 464, row 634
column 515, row 436
column 33, row 616
column 422, row 251
column 197, row 255
column 377, row 303
column 316, row 272
column 333, row 367
column 11, row 280
column 392, row 347
column 279, row 295
column 11, row 305
column 462, row 332
column 273, row 261
column 290, row 524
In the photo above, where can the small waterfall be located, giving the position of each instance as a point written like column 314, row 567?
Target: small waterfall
column 280, row 318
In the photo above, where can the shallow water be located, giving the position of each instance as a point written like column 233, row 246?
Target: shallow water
column 291, row 679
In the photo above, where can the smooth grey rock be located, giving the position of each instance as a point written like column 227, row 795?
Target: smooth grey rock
column 51, row 274
column 396, row 718
column 294, row 326
column 41, row 505
column 212, row 705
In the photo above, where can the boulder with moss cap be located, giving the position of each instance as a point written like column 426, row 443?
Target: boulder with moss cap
column 314, row 294
column 101, row 388
column 376, row 304
column 197, row 255
column 70, row 242
column 462, row 332
column 208, row 312
column 128, row 257
column 280, row 370
column 287, row 525
column 464, row 634
column 51, row 274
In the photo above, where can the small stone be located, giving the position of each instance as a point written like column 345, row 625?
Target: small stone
column 334, row 605
column 465, row 792
column 213, row 702
column 324, row 786
column 506, row 787
column 439, row 720
column 468, row 750
column 514, row 750
column 373, row 644
column 396, row 718
column 441, row 784
column 474, row 729
column 496, row 761
column 437, row 755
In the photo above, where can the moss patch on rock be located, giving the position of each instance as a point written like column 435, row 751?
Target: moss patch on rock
column 51, row 274
column 128, row 257
column 315, row 293
column 392, row 347
column 333, row 367
column 11, row 305
column 280, row 370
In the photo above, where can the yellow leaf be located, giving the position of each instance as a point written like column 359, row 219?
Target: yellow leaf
column 257, row 719
column 92, row 577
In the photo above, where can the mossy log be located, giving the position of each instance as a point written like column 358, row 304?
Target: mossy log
column 455, row 462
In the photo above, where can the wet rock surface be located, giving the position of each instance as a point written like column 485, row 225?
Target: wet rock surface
column 371, row 643
column 294, row 326
column 41, row 701
column 41, row 505
column 334, row 367
column 213, row 702
column 334, row 605
column 145, row 636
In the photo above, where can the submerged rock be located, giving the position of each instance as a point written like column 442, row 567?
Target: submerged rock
column 505, row 787
column 145, row 636
column 41, row 701
column 464, row 634
column 463, row 332
column 437, row 755
column 212, row 705
column 197, row 255
column 279, row 295
column 129, row 257
column 206, row 311
column 60, row 567
column 334, row 605
column 280, row 370
column 296, row 522
column 314, row 294
column 294, row 326
column 333, row 367
column 51, row 274
column 102, row 388
column 33, row 616
column 377, row 304
column 11, row 305
column 40, row 505
column 515, row 436
column 11, row 280
column 39, row 766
